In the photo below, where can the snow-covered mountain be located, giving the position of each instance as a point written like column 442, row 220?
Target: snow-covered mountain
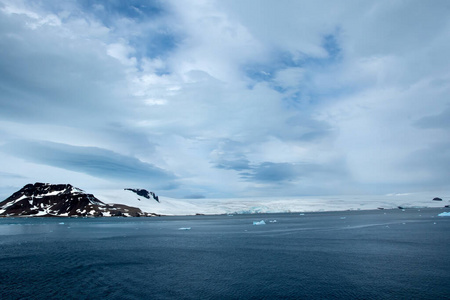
column 44, row 199
column 156, row 205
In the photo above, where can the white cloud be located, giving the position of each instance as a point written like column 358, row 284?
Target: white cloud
column 290, row 77
column 122, row 53
column 155, row 101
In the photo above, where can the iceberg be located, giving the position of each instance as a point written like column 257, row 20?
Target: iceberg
column 184, row 228
column 259, row 222
column 444, row 214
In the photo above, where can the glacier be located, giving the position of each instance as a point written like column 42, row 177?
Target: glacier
column 234, row 206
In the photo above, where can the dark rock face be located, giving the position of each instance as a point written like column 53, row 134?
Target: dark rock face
column 437, row 199
column 144, row 193
column 47, row 200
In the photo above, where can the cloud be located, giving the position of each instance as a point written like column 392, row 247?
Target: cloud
column 273, row 172
column 61, row 73
column 89, row 160
column 429, row 166
column 226, row 98
column 441, row 120
column 10, row 175
column 194, row 196
column 237, row 165
column 288, row 172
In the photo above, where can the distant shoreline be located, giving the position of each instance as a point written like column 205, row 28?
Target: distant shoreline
column 417, row 208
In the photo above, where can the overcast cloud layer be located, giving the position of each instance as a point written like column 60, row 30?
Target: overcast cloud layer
column 226, row 98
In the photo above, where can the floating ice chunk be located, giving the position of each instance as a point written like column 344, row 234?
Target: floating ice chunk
column 273, row 221
column 301, row 214
column 259, row 222
column 61, row 223
column 343, row 218
column 184, row 228
column 444, row 214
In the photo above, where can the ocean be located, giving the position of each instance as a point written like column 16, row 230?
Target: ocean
column 382, row 254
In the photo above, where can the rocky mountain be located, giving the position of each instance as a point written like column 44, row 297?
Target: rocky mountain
column 144, row 193
column 47, row 200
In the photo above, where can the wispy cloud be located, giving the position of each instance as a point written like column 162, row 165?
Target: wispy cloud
column 90, row 160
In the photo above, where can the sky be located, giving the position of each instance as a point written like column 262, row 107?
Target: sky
column 213, row 99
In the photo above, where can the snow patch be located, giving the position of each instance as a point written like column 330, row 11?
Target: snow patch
column 18, row 199
column 41, row 213
column 54, row 193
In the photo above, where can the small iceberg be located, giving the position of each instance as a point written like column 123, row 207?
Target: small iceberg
column 259, row 222
column 61, row 223
column 184, row 228
column 444, row 214
column 273, row 221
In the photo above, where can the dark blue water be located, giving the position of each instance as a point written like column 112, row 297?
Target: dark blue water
column 346, row 255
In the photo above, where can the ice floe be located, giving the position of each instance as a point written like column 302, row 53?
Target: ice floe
column 259, row 222
column 444, row 214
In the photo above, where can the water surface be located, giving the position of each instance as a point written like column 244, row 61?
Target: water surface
column 334, row 255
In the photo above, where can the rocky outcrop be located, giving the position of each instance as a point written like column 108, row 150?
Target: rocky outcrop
column 144, row 193
column 53, row 200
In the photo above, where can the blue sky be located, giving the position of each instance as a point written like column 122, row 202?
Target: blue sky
column 213, row 99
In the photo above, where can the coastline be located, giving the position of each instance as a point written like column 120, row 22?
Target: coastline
column 301, row 213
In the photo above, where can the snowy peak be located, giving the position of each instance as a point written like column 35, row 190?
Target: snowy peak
column 44, row 199
column 43, row 190
column 46, row 189
column 144, row 193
